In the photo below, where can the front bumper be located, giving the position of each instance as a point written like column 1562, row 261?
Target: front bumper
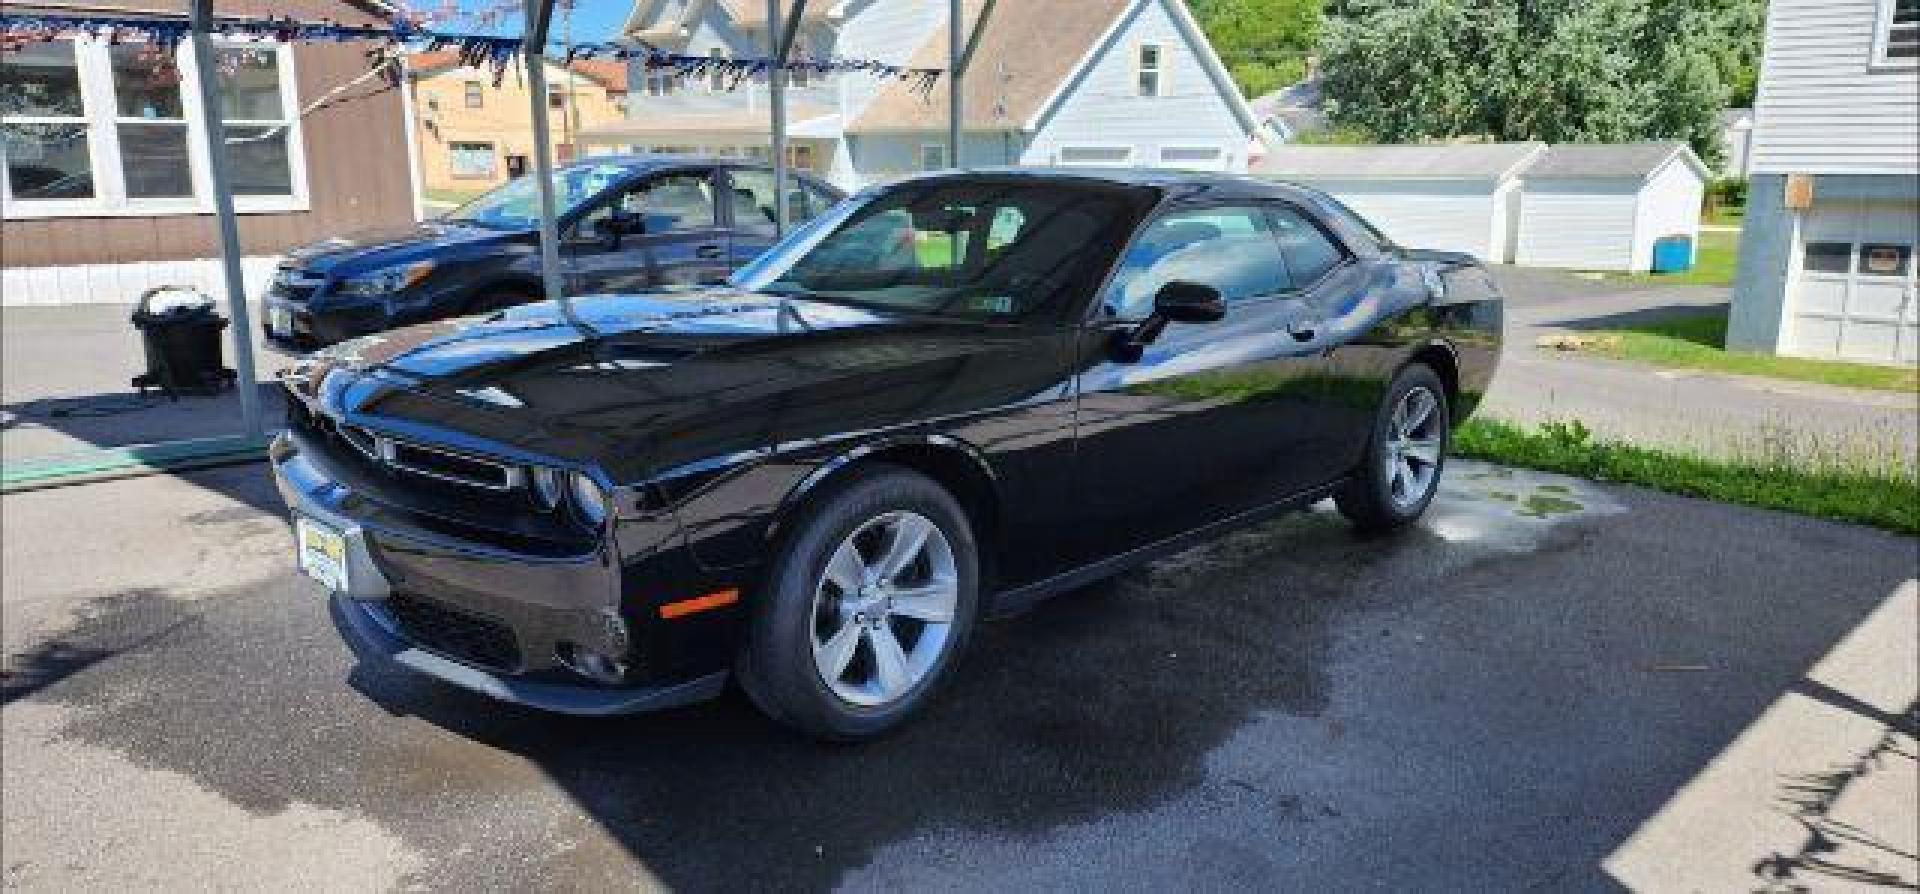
column 324, row 326
column 395, row 570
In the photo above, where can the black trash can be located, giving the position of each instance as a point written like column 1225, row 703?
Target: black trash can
column 181, row 333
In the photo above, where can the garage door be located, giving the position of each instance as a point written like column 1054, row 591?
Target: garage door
column 1855, row 295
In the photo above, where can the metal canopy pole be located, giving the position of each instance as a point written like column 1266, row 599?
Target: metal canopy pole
column 201, row 25
column 780, row 37
column 533, row 53
column 959, row 57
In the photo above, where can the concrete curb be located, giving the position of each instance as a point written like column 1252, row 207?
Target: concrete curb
column 114, row 463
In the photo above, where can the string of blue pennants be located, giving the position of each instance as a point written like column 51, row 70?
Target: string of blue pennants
column 478, row 50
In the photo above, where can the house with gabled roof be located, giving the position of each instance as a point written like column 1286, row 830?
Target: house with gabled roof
column 1070, row 82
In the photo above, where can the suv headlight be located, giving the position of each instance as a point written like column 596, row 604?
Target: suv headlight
column 384, row 281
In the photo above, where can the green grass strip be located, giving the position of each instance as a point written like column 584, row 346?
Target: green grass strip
column 1881, row 500
column 1696, row 342
column 117, row 462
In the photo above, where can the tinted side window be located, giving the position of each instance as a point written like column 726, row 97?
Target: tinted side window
column 753, row 202
column 1308, row 250
column 672, row 202
column 1230, row 249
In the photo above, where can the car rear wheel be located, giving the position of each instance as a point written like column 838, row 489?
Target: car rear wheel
column 867, row 607
column 1406, row 452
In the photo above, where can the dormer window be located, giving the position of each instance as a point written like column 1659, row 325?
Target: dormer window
column 1896, row 34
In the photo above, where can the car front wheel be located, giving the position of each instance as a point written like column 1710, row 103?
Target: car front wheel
column 867, row 607
column 1406, row 451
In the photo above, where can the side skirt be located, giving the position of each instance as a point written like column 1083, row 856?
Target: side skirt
column 1022, row 598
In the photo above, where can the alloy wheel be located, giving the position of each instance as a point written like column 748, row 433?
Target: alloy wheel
column 1413, row 447
column 883, row 608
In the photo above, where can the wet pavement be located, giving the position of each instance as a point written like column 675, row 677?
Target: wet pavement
column 1507, row 697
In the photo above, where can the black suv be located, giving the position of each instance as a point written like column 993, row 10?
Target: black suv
column 627, row 223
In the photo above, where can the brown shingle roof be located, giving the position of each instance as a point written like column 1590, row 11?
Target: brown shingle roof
column 1028, row 49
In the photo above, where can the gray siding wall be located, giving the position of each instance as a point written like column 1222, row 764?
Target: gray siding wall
column 1823, row 106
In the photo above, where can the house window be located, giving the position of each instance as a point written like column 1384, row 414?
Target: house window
column 1896, row 38
column 557, row 100
column 475, row 99
column 433, row 102
column 258, row 121
column 717, row 78
column 470, row 161
column 92, row 128
column 661, row 82
column 1151, row 57
column 47, row 131
column 798, row 75
column 1206, row 158
column 933, row 156
column 1096, row 155
column 800, row 157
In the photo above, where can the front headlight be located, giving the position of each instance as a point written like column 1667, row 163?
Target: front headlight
column 548, row 487
column 384, row 281
column 588, row 500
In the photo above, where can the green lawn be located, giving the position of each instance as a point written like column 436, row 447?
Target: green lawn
column 1725, row 216
column 454, row 196
column 1713, row 263
column 1840, row 492
column 1698, row 343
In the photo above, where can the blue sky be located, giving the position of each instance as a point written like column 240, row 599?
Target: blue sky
column 592, row 19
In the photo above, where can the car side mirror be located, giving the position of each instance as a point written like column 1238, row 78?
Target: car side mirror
column 1189, row 302
column 1176, row 302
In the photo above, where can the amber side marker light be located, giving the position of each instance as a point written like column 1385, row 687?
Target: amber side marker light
column 697, row 604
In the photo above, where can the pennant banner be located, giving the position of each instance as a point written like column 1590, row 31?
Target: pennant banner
column 477, row 50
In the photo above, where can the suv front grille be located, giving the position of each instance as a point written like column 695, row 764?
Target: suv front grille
column 294, row 284
column 454, row 633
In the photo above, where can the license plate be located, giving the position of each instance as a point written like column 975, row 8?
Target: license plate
column 280, row 320
column 323, row 553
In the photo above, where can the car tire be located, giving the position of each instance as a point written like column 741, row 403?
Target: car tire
column 1405, row 455
column 816, row 596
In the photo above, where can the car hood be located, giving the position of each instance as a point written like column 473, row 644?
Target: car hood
column 378, row 247
column 641, row 383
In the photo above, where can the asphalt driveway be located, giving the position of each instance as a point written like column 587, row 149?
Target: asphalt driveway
column 1533, row 689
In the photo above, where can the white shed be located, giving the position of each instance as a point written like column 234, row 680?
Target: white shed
column 1456, row 197
column 1601, row 206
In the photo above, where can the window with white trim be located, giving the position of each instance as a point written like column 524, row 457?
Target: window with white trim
column 476, row 94
column 1150, row 69
column 1096, row 155
column 93, row 129
column 1896, row 36
column 470, row 161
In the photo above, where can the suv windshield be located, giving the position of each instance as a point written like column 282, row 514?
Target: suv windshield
column 516, row 204
column 962, row 247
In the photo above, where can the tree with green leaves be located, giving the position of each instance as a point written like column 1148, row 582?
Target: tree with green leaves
column 1264, row 43
column 1554, row 70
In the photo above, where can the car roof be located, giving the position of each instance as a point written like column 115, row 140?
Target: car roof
column 1174, row 184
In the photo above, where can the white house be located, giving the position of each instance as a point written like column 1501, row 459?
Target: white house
column 1602, row 206
column 1736, row 135
column 1066, row 82
column 1457, row 197
column 1833, row 205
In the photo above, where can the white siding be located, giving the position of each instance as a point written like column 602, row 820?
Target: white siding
column 1101, row 107
column 123, row 283
column 882, row 158
column 1823, row 108
column 1450, row 215
column 889, row 31
column 1582, row 224
column 1669, row 206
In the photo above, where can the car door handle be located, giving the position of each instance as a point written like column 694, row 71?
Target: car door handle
column 708, row 251
column 1301, row 331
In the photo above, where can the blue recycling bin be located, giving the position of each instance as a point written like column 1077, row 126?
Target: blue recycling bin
column 1673, row 254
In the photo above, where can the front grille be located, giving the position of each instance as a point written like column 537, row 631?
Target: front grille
column 454, row 633
column 294, row 284
column 446, row 465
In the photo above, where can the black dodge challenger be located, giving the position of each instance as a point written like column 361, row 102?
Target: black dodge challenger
column 943, row 398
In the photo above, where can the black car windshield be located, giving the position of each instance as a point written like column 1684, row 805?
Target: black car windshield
column 516, row 204
column 1012, row 248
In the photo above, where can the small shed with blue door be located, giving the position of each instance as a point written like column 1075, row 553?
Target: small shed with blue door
column 1605, row 206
